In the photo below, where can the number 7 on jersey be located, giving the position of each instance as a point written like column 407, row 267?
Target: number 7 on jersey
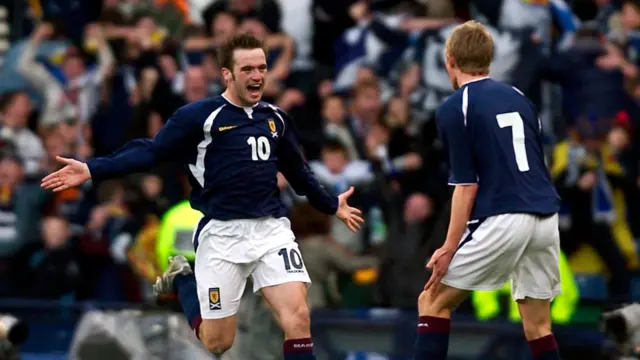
column 514, row 120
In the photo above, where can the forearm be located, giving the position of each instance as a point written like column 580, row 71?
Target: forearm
column 105, row 59
column 305, row 183
column 33, row 71
column 461, row 206
column 136, row 156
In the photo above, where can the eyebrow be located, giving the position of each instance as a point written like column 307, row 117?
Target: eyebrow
column 249, row 67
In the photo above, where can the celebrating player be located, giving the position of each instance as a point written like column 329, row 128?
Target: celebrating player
column 233, row 146
column 504, row 222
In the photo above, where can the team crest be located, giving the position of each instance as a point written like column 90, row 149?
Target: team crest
column 272, row 127
column 214, row 299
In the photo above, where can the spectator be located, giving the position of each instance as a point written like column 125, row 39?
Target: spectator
column 338, row 172
column 366, row 108
column 196, row 85
column 585, row 179
column 11, row 179
column 267, row 11
column 15, row 110
column 335, row 118
column 78, row 98
column 48, row 269
column 323, row 256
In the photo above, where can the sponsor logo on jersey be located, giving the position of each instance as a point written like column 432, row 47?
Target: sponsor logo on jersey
column 225, row 128
column 214, row 299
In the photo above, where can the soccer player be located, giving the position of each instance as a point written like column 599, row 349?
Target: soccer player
column 233, row 146
column 504, row 222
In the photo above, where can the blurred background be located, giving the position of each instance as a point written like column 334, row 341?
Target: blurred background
column 362, row 79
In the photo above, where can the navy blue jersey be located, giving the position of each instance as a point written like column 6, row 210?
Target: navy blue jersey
column 232, row 155
column 493, row 137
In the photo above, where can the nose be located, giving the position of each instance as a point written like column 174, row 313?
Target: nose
column 256, row 75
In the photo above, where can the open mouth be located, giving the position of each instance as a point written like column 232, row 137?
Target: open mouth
column 254, row 89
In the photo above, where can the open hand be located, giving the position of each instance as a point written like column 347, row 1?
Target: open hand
column 73, row 174
column 350, row 216
column 439, row 264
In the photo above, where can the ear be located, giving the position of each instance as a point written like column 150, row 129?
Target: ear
column 450, row 61
column 226, row 74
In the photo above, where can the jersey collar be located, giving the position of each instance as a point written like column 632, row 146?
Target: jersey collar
column 238, row 106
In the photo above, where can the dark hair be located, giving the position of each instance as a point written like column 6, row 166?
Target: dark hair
column 7, row 98
column 334, row 145
column 242, row 41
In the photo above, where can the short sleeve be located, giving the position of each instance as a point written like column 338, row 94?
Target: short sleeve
column 452, row 127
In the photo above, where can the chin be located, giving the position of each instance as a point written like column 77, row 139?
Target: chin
column 254, row 98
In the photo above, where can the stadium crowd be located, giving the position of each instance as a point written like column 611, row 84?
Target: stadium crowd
column 362, row 80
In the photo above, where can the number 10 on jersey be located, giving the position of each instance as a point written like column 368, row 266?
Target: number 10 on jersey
column 260, row 148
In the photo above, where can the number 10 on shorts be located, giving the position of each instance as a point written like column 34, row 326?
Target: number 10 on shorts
column 292, row 260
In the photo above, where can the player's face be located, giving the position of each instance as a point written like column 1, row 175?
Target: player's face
column 249, row 70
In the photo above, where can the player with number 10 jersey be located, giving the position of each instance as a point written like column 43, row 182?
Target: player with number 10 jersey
column 233, row 146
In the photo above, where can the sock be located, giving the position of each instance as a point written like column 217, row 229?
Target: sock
column 545, row 348
column 185, row 286
column 433, row 338
column 298, row 349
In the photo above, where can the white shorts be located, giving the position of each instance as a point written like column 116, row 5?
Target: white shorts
column 228, row 252
column 523, row 248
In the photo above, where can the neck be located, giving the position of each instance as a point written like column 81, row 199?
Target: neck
column 467, row 78
column 231, row 97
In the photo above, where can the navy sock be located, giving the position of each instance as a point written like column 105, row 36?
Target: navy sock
column 298, row 349
column 545, row 348
column 433, row 338
column 185, row 286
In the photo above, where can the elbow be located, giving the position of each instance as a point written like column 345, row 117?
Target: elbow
column 468, row 191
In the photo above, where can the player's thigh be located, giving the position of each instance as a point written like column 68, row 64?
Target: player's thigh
column 440, row 300
column 281, row 277
column 488, row 252
column 220, row 286
column 537, row 273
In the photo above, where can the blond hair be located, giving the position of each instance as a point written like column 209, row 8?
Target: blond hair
column 470, row 47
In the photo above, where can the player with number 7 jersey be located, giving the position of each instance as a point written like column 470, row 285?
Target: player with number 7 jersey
column 504, row 222
column 494, row 139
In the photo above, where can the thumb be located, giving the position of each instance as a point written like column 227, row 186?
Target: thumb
column 430, row 263
column 349, row 192
column 64, row 160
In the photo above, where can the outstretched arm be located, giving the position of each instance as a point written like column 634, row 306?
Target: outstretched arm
column 136, row 156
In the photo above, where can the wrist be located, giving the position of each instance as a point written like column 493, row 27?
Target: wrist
column 88, row 171
column 450, row 245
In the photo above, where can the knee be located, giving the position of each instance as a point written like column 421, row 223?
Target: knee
column 217, row 342
column 536, row 326
column 430, row 305
column 296, row 323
